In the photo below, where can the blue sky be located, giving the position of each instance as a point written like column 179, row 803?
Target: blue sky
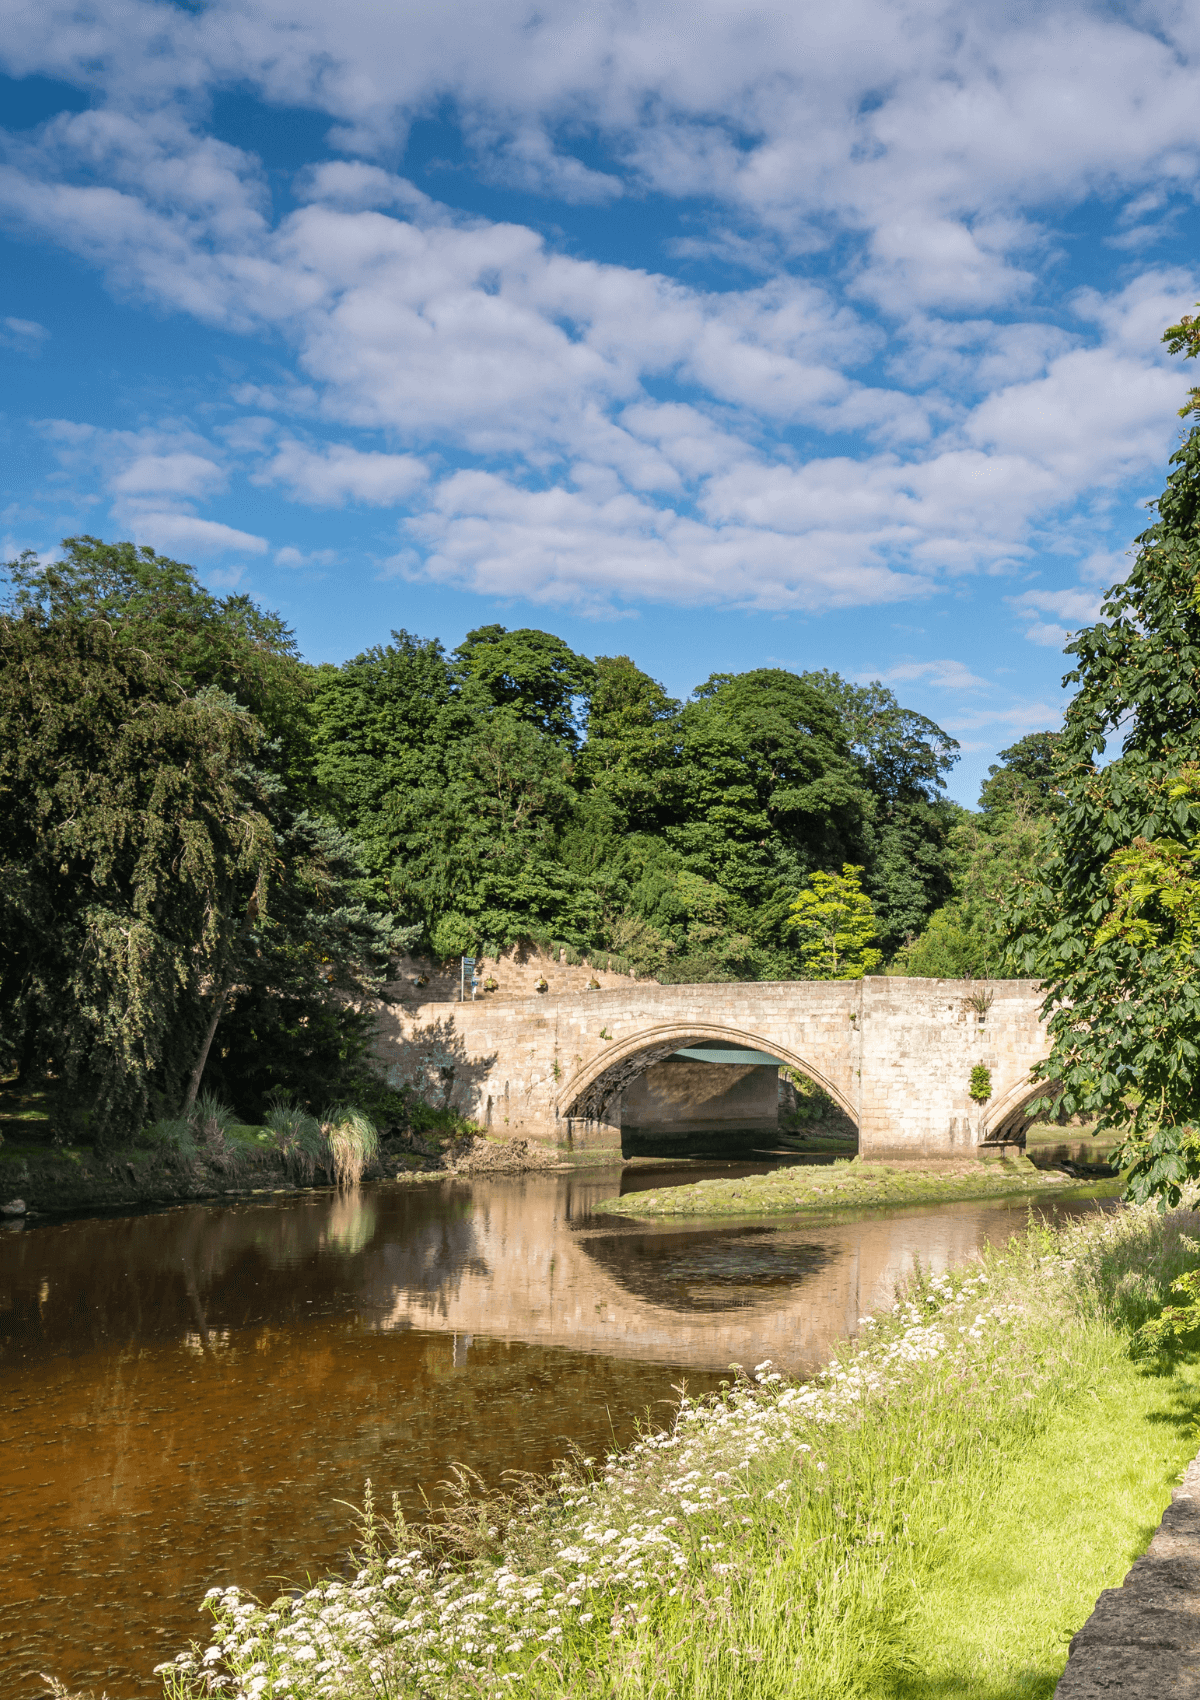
column 740, row 335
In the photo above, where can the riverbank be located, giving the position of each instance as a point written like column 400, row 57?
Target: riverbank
column 845, row 1185
column 73, row 1180
column 933, row 1516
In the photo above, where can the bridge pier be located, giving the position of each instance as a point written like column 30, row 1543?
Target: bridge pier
column 895, row 1054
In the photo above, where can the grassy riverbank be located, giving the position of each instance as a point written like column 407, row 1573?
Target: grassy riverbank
column 847, row 1185
column 932, row 1518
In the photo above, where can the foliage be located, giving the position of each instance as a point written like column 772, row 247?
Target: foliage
column 296, row 1137
column 159, row 864
column 535, row 674
column 1184, row 338
column 980, row 1085
column 1109, row 925
column 835, row 924
column 969, row 937
column 132, row 841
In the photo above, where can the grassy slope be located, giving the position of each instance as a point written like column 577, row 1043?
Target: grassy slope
column 847, row 1185
column 1066, row 1514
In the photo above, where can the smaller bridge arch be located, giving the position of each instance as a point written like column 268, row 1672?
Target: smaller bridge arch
column 1005, row 1118
column 596, row 1083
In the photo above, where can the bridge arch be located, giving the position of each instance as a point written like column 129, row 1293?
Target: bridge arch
column 1004, row 1117
column 589, row 1092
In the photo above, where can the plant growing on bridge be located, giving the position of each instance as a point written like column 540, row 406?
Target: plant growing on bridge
column 835, row 924
column 980, row 1087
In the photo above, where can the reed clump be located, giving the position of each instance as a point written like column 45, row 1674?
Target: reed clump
column 297, row 1138
column 352, row 1140
column 892, row 1529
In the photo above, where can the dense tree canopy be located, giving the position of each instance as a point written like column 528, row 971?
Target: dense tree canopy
column 158, row 865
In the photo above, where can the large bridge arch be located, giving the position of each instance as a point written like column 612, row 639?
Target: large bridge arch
column 588, row 1094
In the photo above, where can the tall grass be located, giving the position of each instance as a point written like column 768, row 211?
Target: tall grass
column 788, row 1539
column 297, row 1138
column 353, row 1142
column 202, row 1132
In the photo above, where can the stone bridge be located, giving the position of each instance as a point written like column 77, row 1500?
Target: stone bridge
column 573, row 1071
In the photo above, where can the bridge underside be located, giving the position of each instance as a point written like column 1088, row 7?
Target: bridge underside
column 713, row 1098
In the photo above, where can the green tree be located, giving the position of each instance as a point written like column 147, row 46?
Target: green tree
column 835, row 924
column 382, row 724
column 533, row 673
column 907, row 845
column 132, row 845
column 158, row 605
column 631, row 755
column 1115, row 953
column 969, row 936
column 159, row 863
column 1026, row 777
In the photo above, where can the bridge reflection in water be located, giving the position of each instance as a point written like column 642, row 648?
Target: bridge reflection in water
column 524, row 1260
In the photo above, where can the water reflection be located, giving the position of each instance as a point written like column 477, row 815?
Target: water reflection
column 186, row 1396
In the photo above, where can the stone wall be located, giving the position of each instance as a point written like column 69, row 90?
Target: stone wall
column 1142, row 1641
column 896, row 1054
column 516, row 971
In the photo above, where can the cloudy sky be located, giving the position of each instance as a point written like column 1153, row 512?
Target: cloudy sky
column 751, row 332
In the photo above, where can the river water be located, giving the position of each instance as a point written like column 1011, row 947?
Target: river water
column 186, row 1396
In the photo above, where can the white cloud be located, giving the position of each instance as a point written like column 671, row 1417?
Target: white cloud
column 945, row 674
column 618, row 433
column 924, row 133
column 337, row 473
column 23, row 334
column 171, row 530
column 154, row 478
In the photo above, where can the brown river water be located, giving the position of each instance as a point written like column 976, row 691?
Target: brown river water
column 187, row 1396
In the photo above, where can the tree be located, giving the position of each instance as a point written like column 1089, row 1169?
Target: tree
column 632, row 749
column 532, row 672
column 836, row 926
column 159, row 865
column 151, row 602
column 969, row 937
column 1106, row 926
column 907, row 844
column 1025, row 776
column 132, row 842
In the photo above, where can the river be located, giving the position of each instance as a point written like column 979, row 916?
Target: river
column 187, row 1395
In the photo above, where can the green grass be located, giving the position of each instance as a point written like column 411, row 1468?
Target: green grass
column 1018, row 1570
column 846, row 1185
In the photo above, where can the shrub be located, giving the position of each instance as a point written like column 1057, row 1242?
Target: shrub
column 980, row 1087
column 171, row 1134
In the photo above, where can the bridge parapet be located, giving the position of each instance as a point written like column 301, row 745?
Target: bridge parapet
column 896, row 1054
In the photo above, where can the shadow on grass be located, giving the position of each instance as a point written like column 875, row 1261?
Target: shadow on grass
column 1024, row 1685
column 1182, row 1411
